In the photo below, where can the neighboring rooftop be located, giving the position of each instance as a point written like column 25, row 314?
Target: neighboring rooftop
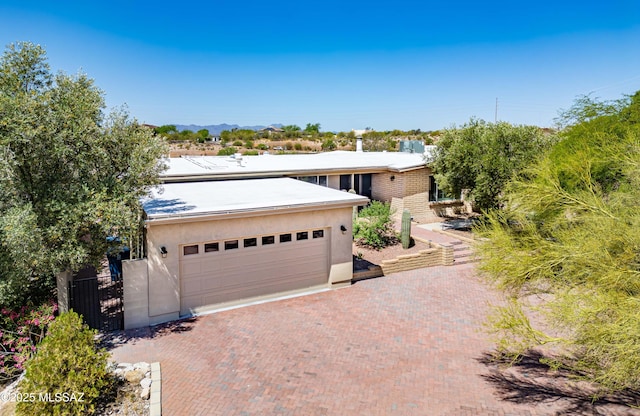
column 293, row 164
column 194, row 199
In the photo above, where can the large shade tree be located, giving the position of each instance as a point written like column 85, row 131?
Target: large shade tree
column 482, row 157
column 70, row 175
column 568, row 244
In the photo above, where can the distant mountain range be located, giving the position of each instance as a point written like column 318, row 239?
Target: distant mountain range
column 216, row 129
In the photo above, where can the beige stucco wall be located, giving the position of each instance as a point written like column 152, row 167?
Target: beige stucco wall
column 164, row 273
column 135, row 288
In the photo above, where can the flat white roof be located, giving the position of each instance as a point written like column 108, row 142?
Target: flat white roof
column 190, row 199
column 265, row 165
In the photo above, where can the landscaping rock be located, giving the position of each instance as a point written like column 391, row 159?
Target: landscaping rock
column 145, row 383
column 146, row 392
column 134, row 376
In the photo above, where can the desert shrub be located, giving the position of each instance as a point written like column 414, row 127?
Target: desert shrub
column 248, row 144
column 237, row 143
column 262, row 146
column 297, row 146
column 374, row 227
column 328, row 144
column 227, row 151
column 68, row 367
column 251, row 153
column 20, row 332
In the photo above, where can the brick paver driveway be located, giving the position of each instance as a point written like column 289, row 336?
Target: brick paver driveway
column 406, row 344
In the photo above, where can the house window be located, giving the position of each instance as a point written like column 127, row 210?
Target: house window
column 285, row 238
column 318, row 233
column 345, row 182
column 322, row 180
column 188, row 250
column 436, row 194
column 268, row 239
column 209, row 247
column 231, row 244
column 302, row 235
column 250, row 242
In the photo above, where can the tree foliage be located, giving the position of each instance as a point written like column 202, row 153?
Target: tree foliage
column 69, row 174
column 570, row 235
column 482, row 157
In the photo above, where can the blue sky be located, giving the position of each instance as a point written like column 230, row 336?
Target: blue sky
column 344, row 64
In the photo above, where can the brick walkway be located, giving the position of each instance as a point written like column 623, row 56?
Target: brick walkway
column 406, row 344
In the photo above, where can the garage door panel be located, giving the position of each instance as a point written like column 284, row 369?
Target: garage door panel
column 229, row 275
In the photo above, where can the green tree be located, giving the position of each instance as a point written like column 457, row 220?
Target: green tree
column 569, row 236
column 329, row 144
column 69, row 175
column 203, row 135
column 482, row 157
column 312, row 128
column 292, row 128
column 166, row 130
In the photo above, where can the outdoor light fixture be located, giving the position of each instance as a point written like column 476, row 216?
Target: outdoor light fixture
column 393, row 178
column 163, row 251
column 343, row 229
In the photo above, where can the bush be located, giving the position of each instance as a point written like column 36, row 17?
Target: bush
column 227, row 151
column 68, row 364
column 374, row 227
column 297, row 146
column 262, row 146
column 251, row 153
column 21, row 331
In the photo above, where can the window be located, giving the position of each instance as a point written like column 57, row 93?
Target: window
column 302, row 235
column 322, row 180
column 436, row 194
column 318, row 233
column 285, row 238
column 230, row 245
column 209, row 247
column 250, row 242
column 188, row 250
column 268, row 239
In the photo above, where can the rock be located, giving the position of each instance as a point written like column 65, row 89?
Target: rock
column 145, row 367
column 125, row 365
column 134, row 376
column 146, row 392
column 145, row 383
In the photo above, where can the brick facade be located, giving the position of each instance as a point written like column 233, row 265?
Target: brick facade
column 408, row 190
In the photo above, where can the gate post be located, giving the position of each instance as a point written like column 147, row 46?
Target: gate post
column 62, row 283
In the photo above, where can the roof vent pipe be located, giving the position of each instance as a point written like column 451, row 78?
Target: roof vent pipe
column 358, row 144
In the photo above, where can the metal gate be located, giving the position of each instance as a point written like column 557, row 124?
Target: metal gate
column 99, row 299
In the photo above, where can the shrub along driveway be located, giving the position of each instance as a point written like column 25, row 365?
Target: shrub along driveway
column 406, row 344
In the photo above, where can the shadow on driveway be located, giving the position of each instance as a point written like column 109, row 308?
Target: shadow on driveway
column 530, row 382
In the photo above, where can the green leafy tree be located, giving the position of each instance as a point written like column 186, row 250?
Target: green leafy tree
column 69, row 175
column 312, row 128
column 291, row 128
column 482, row 157
column 569, row 236
column 166, row 130
column 203, row 135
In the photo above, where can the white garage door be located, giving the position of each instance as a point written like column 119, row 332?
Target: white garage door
column 229, row 270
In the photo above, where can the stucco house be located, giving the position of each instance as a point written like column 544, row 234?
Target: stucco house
column 403, row 179
column 226, row 230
